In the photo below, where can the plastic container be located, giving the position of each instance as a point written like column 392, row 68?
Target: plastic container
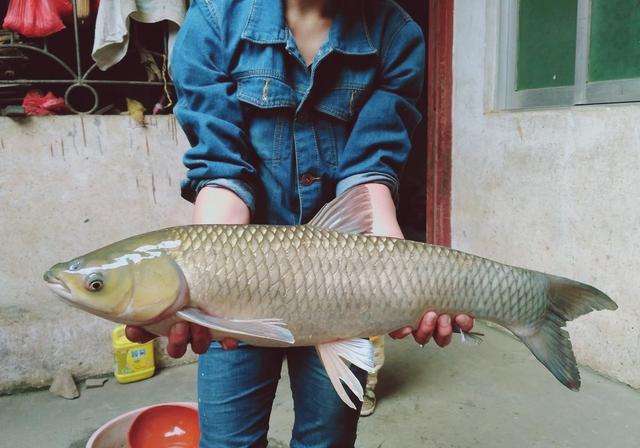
column 165, row 426
column 133, row 361
column 114, row 433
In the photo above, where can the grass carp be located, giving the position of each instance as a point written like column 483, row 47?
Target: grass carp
column 328, row 284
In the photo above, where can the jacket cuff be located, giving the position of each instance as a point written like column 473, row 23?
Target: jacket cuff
column 243, row 190
column 369, row 178
column 240, row 188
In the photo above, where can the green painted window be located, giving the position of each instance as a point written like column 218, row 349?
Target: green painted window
column 614, row 47
column 546, row 43
column 568, row 52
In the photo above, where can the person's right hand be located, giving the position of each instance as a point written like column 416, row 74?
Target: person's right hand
column 214, row 205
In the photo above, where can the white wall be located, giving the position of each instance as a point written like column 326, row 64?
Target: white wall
column 69, row 185
column 554, row 190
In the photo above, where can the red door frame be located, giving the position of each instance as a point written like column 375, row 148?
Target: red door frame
column 439, row 93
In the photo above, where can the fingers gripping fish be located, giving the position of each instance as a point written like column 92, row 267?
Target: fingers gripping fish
column 328, row 284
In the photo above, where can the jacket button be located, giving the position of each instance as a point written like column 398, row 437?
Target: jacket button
column 307, row 179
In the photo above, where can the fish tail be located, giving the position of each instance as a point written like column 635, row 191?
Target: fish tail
column 549, row 341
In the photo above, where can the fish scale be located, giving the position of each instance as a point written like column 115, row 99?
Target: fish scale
column 352, row 285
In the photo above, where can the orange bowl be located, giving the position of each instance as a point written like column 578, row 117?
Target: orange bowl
column 165, row 426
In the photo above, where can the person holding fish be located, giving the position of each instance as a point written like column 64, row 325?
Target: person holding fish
column 299, row 113
column 288, row 104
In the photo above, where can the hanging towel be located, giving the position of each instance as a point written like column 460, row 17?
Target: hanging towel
column 112, row 25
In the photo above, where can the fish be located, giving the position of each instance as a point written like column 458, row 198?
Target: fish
column 329, row 283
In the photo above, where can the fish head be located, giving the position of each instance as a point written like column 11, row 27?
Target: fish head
column 126, row 282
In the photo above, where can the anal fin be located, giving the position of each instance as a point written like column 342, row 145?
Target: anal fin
column 335, row 357
column 270, row 329
column 469, row 337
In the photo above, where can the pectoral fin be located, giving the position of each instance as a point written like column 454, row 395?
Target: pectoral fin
column 335, row 357
column 271, row 329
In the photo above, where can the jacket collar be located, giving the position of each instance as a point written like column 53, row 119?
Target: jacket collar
column 349, row 33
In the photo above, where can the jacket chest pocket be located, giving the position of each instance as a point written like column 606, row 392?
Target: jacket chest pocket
column 336, row 111
column 343, row 103
column 268, row 106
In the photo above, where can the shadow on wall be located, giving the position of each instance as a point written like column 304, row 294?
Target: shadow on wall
column 412, row 211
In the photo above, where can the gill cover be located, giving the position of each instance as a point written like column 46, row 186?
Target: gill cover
column 159, row 288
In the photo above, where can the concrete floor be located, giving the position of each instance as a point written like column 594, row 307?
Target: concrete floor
column 495, row 395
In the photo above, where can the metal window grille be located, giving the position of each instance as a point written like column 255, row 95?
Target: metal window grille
column 76, row 77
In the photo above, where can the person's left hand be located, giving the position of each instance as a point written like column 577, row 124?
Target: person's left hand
column 439, row 327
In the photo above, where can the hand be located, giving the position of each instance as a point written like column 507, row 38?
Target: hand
column 431, row 325
column 214, row 205
column 440, row 327
column 180, row 335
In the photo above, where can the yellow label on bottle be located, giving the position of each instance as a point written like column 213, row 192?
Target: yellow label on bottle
column 133, row 361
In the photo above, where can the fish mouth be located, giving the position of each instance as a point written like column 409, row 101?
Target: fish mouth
column 57, row 286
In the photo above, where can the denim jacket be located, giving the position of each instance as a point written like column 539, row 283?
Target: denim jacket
column 284, row 136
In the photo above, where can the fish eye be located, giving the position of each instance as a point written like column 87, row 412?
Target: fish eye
column 94, row 282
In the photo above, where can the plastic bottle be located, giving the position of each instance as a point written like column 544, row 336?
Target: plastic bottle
column 133, row 361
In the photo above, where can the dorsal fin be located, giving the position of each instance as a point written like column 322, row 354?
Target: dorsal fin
column 348, row 213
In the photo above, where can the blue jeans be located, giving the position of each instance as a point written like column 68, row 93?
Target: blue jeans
column 236, row 390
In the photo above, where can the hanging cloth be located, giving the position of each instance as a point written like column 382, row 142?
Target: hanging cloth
column 112, row 25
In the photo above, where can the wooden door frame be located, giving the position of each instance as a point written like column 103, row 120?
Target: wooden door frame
column 439, row 121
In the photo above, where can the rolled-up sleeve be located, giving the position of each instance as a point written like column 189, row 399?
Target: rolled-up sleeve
column 379, row 144
column 209, row 112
